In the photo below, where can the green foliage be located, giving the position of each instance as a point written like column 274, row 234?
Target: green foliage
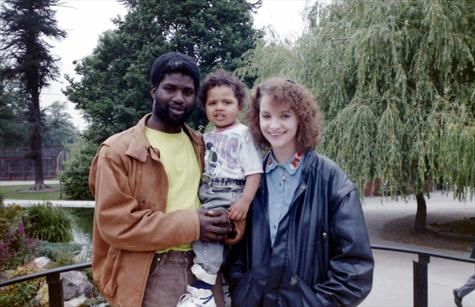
column 48, row 223
column 268, row 59
column 114, row 88
column 8, row 216
column 458, row 146
column 356, row 121
column 20, row 294
column 58, row 128
column 61, row 253
column 25, row 27
column 16, row 246
column 12, row 114
column 76, row 170
column 396, row 82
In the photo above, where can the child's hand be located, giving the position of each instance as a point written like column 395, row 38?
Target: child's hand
column 238, row 210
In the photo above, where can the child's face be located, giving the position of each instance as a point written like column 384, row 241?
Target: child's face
column 278, row 123
column 222, row 107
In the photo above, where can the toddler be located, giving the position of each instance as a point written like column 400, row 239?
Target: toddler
column 233, row 168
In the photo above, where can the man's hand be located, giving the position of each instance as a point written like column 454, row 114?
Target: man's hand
column 214, row 224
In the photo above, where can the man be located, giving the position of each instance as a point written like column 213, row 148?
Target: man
column 468, row 287
column 145, row 182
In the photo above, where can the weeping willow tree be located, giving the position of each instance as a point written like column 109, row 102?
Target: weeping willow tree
column 270, row 57
column 396, row 80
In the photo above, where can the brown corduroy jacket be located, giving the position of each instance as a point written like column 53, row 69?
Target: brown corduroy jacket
column 130, row 187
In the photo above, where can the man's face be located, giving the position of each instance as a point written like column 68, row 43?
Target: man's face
column 174, row 100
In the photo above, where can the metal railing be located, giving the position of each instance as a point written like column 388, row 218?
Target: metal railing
column 420, row 273
column 419, row 269
column 53, row 280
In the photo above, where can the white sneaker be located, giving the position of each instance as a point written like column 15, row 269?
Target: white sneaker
column 196, row 298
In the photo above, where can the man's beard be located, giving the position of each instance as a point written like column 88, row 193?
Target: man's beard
column 171, row 119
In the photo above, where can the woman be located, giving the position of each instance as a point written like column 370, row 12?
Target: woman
column 306, row 242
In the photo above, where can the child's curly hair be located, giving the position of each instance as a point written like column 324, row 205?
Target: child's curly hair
column 223, row 78
column 299, row 99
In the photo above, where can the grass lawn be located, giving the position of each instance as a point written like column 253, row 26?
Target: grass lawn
column 21, row 192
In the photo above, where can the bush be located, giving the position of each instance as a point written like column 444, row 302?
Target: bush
column 8, row 217
column 20, row 294
column 48, row 223
column 76, row 170
column 16, row 247
column 60, row 253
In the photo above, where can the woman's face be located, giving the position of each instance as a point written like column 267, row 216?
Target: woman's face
column 278, row 123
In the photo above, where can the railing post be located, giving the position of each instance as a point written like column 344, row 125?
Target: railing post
column 420, row 281
column 55, row 290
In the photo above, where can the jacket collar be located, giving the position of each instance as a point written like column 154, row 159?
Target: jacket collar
column 291, row 165
column 139, row 147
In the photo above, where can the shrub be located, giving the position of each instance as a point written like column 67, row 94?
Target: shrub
column 9, row 216
column 76, row 170
column 48, row 223
column 60, row 253
column 16, row 247
column 20, row 294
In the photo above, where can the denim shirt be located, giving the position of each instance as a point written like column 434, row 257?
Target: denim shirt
column 282, row 181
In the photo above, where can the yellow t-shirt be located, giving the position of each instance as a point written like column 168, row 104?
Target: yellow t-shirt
column 182, row 168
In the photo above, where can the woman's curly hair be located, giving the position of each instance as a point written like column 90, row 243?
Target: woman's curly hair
column 299, row 99
column 223, row 78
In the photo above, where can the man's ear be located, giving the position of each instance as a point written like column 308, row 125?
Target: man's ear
column 152, row 92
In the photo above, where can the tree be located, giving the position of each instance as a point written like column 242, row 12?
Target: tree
column 406, row 89
column 114, row 90
column 267, row 59
column 396, row 82
column 58, row 129
column 24, row 26
column 12, row 115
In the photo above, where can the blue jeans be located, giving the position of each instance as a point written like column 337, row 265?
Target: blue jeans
column 214, row 193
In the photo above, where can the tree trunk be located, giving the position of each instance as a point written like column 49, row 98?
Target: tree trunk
column 36, row 133
column 421, row 214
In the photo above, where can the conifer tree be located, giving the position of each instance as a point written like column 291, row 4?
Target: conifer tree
column 24, row 27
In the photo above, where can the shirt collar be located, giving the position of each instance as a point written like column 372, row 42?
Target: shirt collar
column 291, row 165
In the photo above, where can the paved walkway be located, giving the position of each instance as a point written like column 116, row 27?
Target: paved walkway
column 27, row 182
column 62, row 203
column 393, row 276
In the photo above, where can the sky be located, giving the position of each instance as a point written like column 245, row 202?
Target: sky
column 85, row 20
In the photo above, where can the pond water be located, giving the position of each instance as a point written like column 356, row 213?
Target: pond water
column 82, row 231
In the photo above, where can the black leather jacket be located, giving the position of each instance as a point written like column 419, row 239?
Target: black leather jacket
column 321, row 254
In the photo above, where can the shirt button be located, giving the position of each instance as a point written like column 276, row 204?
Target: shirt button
column 275, row 227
